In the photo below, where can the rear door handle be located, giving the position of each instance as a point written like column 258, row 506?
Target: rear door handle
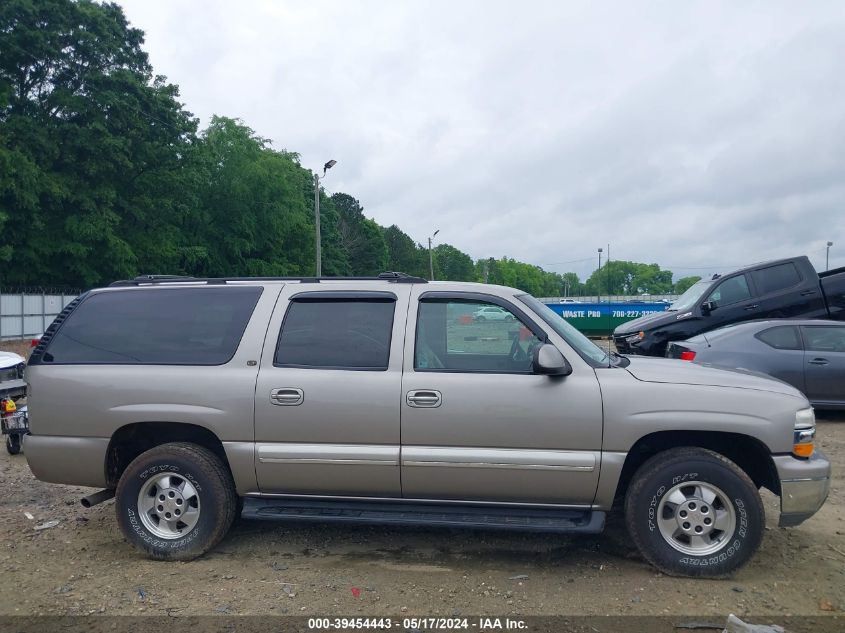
column 818, row 361
column 287, row 397
column 424, row 398
column 753, row 306
column 807, row 293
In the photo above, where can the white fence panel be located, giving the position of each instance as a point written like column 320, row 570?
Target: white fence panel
column 34, row 325
column 24, row 315
column 33, row 304
column 11, row 304
column 11, row 327
column 53, row 304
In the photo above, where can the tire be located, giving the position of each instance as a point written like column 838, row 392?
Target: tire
column 480, row 319
column 723, row 507
column 13, row 443
column 199, row 501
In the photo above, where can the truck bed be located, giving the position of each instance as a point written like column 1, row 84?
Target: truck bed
column 833, row 288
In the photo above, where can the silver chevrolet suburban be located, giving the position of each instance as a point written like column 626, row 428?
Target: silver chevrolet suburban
column 386, row 400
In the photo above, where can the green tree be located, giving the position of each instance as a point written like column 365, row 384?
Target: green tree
column 335, row 258
column 403, row 254
column 93, row 143
column 452, row 264
column 619, row 277
column 572, row 285
column 360, row 237
column 684, row 283
column 256, row 212
column 527, row 277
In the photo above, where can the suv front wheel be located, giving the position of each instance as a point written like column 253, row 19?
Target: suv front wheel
column 693, row 512
column 176, row 501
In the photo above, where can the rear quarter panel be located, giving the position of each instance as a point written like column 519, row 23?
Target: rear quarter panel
column 75, row 409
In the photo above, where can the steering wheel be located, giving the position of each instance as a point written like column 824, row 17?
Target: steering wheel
column 519, row 355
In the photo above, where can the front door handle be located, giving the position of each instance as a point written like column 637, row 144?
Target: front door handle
column 818, row 361
column 287, row 397
column 753, row 306
column 424, row 398
column 807, row 293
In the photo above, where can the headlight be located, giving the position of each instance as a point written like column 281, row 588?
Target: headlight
column 804, row 434
column 635, row 338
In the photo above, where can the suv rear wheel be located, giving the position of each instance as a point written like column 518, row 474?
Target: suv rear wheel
column 176, row 501
column 693, row 512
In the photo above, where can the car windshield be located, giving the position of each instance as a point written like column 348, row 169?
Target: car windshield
column 691, row 296
column 588, row 350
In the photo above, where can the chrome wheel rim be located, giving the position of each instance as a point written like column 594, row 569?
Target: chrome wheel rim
column 696, row 518
column 169, row 505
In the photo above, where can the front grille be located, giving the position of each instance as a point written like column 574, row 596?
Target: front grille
column 622, row 345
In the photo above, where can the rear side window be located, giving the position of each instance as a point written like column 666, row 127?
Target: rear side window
column 351, row 334
column 776, row 278
column 824, row 338
column 781, row 337
column 162, row 326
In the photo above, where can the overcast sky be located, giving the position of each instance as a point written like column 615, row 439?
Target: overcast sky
column 700, row 136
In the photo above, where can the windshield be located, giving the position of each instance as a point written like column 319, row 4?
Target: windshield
column 588, row 350
column 691, row 296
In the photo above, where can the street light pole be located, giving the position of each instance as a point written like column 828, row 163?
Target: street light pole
column 827, row 256
column 430, row 257
column 317, row 237
column 598, row 278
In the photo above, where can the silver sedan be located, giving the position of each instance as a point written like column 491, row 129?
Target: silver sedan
column 807, row 354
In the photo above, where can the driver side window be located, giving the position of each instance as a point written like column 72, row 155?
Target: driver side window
column 471, row 336
column 730, row 291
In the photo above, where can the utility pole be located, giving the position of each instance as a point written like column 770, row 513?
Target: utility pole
column 431, row 257
column 827, row 256
column 607, row 268
column 317, row 237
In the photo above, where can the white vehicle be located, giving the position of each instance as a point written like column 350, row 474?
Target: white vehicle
column 492, row 313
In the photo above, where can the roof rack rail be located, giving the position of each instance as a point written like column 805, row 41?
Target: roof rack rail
column 148, row 280
column 401, row 278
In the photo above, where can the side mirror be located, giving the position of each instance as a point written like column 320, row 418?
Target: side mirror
column 549, row 361
column 707, row 307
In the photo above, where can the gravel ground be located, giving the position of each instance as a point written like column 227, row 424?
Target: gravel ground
column 84, row 566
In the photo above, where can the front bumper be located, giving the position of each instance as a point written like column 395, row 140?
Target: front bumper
column 804, row 485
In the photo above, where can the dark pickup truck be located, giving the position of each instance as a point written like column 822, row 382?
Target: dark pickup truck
column 770, row 290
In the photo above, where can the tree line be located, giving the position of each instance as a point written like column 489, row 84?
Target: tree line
column 105, row 175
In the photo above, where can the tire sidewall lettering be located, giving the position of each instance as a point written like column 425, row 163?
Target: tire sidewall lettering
column 145, row 535
column 717, row 558
column 161, row 468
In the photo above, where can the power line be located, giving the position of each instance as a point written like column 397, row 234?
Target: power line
column 572, row 261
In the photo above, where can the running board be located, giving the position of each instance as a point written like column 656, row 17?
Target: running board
column 432, row 514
